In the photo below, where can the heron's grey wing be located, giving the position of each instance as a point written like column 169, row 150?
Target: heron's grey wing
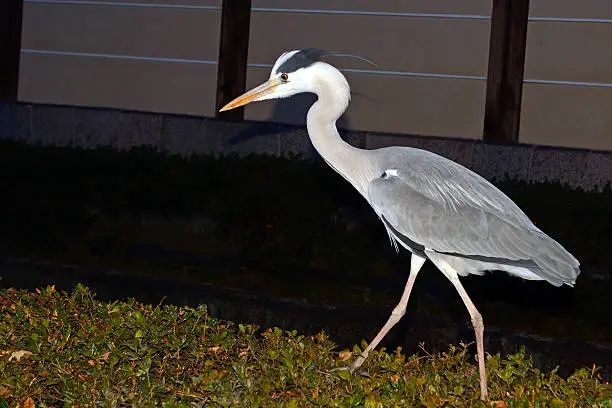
column 452, row 185
column 437, row 224
column 455, row 213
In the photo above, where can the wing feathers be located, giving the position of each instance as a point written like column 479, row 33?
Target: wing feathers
column 445, row 207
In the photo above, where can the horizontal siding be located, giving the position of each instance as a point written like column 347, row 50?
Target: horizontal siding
column 425, row 106
column 144, row 3
column 577, row 52
column 122, row 33
column 177, row 42
column 403, row 45
column 571, row 116
column 101, row 82
column 393, row 43
column 569, row 51
column 151, row 32
column 571, row 9
column 397, row 6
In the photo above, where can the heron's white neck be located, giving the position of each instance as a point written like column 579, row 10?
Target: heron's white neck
column 333, row 92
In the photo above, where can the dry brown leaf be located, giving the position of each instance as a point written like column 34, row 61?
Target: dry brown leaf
column 18, row 355
column 105, row 355
column 91, row 362
column 344, row 355
column 27, row 403
column 499, row 404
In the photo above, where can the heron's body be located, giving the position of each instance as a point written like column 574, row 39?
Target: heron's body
column 433, row 207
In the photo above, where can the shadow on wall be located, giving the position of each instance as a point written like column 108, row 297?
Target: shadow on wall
column 290, row 111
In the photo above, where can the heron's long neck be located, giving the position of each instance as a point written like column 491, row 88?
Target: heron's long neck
column 351, row 162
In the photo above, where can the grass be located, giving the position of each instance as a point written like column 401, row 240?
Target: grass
column 71, row 349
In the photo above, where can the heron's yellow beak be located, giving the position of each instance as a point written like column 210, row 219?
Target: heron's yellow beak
column 253, row 95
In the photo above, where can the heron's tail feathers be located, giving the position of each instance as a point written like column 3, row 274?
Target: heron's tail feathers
column 556, row 264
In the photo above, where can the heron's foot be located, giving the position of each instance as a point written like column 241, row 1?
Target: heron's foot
column 351, row 371
column 358, row 362
column 353, row 368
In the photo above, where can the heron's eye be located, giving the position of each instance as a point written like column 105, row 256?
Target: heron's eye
column 284, row 77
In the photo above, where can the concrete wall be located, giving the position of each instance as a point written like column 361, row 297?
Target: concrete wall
column 177, row 134
column 161, row 56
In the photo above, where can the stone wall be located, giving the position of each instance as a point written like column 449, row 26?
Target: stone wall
column 83, row 127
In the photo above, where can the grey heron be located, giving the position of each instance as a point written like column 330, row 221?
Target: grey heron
column 433, row 207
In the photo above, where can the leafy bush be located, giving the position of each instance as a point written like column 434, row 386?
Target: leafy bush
column 60, row 349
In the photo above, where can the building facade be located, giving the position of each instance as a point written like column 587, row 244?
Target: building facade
column 431, row 56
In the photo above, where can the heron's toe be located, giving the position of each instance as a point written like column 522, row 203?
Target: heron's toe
column 352, row 370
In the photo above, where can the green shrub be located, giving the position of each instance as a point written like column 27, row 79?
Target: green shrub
column 61, row 349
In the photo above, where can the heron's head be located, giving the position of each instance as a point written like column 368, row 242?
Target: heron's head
column 294, row 72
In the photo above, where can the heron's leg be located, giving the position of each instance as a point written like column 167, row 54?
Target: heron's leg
column 416, row 262
column 476, row 317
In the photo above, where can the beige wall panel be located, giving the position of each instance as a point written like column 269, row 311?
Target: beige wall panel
column 571, row 8
column 482, row 7
column 394, row 43
column 140, row 85
column 562, row 115
column 193, row 3
column 142, row 31
column 425, row 106
column 569, row 51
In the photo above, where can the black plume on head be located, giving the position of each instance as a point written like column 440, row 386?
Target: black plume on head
column 308, row 56
column 302, row 59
